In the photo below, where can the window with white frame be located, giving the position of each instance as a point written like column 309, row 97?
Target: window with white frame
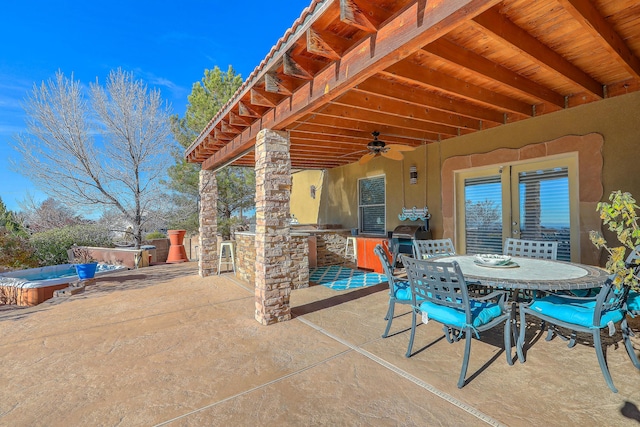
column 371, row 205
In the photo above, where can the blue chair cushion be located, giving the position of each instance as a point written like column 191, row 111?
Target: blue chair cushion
column 633, row 301
column 482, row 312
column 576, row 312
column 402, row 290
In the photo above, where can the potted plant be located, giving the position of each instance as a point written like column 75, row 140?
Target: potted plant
column 621, row 217
column 85, row 263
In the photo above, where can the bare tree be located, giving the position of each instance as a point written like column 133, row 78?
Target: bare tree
column 105, row 152
column 46, row 215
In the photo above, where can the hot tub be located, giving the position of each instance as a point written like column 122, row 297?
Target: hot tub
column 36, row 285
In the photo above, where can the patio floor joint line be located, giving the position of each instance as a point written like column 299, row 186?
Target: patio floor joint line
column 441, row 394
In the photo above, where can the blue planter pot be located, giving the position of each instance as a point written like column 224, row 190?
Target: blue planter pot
column 86, row 271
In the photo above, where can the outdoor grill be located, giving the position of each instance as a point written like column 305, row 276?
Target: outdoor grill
column 403, row 236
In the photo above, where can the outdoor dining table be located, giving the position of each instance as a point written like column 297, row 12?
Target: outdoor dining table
column 530, row 274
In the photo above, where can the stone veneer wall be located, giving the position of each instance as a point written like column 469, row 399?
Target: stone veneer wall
column 331, row 248
column 299, row 261
column 273, row 237
column 207, row 264
column 246, row 257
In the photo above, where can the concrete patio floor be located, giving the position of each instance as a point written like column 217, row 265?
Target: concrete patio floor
column 162, row 346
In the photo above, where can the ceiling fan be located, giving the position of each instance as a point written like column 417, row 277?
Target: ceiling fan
column 379, row 148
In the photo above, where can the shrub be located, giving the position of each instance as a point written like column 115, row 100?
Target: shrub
column 51, row 246
column 155, row 235
column 15, row 252
column 621, row 217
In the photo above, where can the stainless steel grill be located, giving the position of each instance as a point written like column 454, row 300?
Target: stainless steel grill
column 403, row 236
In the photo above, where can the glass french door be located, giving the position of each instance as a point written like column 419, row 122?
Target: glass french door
column 533, row 200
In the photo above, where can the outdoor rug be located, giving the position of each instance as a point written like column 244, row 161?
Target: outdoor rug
column 341, row 278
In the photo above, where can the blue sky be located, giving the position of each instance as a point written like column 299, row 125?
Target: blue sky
column 168, row 44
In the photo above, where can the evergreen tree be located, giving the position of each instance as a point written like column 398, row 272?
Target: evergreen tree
column 236, row 186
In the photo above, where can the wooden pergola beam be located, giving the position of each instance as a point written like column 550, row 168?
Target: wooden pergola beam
column 276, row 84
column 325, row 45
column 501, row 28
column 481, row 66
column 442, row 82
column 292, row 68
column 352, row 14
column 585, row 13
column 396, row 90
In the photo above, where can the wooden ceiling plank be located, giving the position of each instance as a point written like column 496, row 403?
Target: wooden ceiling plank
column 276, row 84
column 246, row 111
column 350, row 13
column 373, row 102
column 317, row 45
column 457, row 55
column 443, row 82
column 294, row 69
column 501, row 28
column 396, row 90
column 589, row 17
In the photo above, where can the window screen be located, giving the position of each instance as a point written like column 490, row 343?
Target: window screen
column 371, row 205
column 483, row 215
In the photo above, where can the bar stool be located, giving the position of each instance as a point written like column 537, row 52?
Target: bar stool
column 351, row 248
column 229, row 246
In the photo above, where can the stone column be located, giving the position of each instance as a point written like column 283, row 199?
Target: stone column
column 208, row 260
column 273, row 238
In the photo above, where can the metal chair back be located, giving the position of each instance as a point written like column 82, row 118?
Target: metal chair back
column 540, row 249
column 423, row 249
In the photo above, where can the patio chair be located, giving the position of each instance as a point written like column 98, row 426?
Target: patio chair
column 541, row 249
column 439, row 292
column 399, row 290
column 588, row 315
column 423, row 249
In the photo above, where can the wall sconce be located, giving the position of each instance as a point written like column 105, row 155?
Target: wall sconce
column 313, row 191
column 413, row 175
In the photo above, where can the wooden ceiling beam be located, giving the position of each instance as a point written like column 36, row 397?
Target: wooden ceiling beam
column 352, row 14
column 375, row 103
column 317, row 131
column 292, row 68
column 501, row 28
column 342, row 124
column 227, row 128
column 274, row 83
column 444, row 83
column 355, row 113
column 264, row 98
column 237, row 120
column 325, row 44
column 483, row 67
column 592, row 21
column 221, row 136
column 417, row 96
column 246, row 111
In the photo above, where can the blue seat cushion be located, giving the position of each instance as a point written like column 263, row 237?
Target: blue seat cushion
column 633, row 301
column 576, row 312
column 402, row 290
column 482, row 312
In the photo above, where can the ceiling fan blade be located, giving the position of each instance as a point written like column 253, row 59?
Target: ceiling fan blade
column 364, row 159
column 393, row 154
column 400, row 147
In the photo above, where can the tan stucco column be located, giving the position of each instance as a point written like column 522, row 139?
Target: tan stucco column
column 273, row 238
column 207, row 263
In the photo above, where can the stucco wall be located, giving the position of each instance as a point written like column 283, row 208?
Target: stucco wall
column 616, row 119
column 303, row 205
